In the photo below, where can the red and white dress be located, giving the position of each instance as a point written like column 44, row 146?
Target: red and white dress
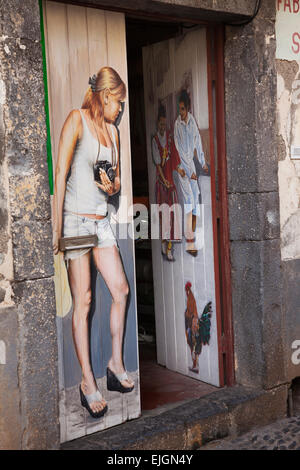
column 164, row 146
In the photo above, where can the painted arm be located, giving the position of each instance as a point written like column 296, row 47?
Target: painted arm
column 161, row 174
column 155, row 153
column 177, row 139
column 106, row 185
column 69, row 135
column 198, row 145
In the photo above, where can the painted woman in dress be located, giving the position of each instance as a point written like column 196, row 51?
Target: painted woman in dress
column 80, row 208
column 166, row 159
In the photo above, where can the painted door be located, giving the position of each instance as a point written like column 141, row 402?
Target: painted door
column 180, row 175
column 80, row 41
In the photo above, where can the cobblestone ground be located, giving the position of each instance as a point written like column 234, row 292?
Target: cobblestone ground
column 282, row 435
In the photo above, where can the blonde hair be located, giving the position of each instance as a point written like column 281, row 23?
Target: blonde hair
column 106, row 78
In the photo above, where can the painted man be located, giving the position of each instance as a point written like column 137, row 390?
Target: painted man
column 166, row 159
column 188, row 141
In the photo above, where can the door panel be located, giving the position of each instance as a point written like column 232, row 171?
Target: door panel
column 79, row 42
column 186, row 322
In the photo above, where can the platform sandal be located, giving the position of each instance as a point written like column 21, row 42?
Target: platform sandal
column 86, row 400
column 114, row 382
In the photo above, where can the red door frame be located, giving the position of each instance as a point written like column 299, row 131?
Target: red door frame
column 216, row 99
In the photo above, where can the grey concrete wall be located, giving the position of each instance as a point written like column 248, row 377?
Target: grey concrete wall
column 250, row 82
column 27, row 308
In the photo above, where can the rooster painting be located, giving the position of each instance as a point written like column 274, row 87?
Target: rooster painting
column 197, row 329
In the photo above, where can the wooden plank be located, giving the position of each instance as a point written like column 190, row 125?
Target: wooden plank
column 159, row 299
column 59, row 78
column 97, row 39
column 78, row 53
column 159, row 304
column 179, row 309
column 177, row 267
column 117, row 59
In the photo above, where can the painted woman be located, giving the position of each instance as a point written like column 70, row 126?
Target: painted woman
column 89, row 136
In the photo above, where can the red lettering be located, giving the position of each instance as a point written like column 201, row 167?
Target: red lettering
column 297, row 44
column 287, row 3
column 293, row 6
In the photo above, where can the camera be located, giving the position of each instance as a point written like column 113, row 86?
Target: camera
column 107, row 167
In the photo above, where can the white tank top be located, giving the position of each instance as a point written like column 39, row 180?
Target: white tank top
column 82, row 195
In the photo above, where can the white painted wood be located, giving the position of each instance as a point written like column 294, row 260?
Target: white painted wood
column 117, row 58
column 78, row 53
column 58, row 70
column 167, row 67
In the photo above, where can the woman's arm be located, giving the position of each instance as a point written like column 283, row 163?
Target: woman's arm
column 69, row 135
column 166, row 182
column 106, row 185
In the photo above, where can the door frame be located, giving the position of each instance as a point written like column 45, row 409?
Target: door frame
column 216, row 97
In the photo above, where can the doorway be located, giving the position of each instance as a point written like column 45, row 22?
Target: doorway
column 86, row 41
column 161, row 387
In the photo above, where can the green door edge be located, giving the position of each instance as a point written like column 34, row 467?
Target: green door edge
column 49, row 147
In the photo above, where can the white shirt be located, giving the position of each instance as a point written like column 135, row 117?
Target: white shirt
column 187, row 139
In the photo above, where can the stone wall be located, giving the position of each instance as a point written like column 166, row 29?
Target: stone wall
column 250, row 86
column 28, row 378
column 195, row 10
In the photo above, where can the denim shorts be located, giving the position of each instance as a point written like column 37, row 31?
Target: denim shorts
column 77, row 225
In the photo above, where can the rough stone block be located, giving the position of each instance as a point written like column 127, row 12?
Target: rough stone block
column 20, row 19
column 30, row 197
column 273, row 315
column 25, row 127
column 32, row 248
column 247, row 315
column 257, row 315
column 10, row 411
column 266, row 408
column 38, row 365
column 254, row 216
column 250, row 105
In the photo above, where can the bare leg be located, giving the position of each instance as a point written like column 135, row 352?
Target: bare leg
column 109, row 264
column 79, row 279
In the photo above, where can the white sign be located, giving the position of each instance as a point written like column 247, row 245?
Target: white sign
column 288, row 29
